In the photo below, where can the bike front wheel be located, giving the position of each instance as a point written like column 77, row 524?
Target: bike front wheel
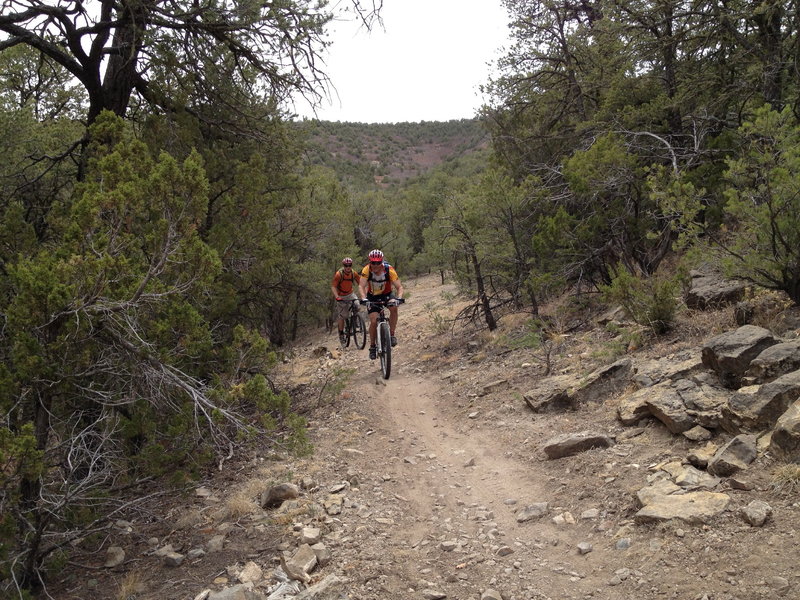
column 358, row 331
column 385, row 349
column 348, row 333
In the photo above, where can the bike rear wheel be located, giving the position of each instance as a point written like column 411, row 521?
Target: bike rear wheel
column 358, row 330
column 385, row 344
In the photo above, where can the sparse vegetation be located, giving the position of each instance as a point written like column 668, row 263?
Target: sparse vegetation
column 786, row 479
column 439, row 322
column 610, row 350
column 244, row 500
column 130, row 586
column 333, row 384
column 400, row 150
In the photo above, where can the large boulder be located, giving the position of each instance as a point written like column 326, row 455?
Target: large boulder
column 562, row 394
column 692, row 507
column 552, row 395
column 667, row 406
column 680, row 405
column 569, row 444
column 734, row 456
column 277, row 494
column 634, row 408
column 711, row 291
column 603, row 382
column 672, row 367
column 785, row 440
column 757, row 408
column 729, row 354
column 773, row 362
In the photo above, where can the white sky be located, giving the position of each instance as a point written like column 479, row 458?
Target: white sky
column 426, row 64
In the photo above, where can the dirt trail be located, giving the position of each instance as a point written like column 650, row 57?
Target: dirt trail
column 440, row 470
column 448, row 481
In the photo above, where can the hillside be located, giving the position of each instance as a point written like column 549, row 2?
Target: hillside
column 365, row 154
column 435, row 484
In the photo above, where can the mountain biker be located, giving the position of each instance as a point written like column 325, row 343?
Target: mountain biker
column 344, row 291
column 379, row 282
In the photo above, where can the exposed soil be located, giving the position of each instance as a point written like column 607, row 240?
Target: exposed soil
column 437, row 467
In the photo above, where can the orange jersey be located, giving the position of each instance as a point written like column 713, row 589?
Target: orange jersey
column 380, row 283
column 343, row 283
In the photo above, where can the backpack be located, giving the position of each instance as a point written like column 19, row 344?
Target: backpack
column 386, row 280
column 386, row 266
column 343, row 277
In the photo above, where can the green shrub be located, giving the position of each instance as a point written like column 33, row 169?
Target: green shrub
column 530, row 338
column 649, row 301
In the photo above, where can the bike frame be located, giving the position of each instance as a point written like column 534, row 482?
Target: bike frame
column 383, row 336
column 383, row 323
column 354, row 307
column 355, row 328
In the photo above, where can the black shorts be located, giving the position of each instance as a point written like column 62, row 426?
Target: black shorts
column 377, row 298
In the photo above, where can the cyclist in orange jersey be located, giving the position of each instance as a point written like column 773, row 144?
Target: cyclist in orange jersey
column 343, row 287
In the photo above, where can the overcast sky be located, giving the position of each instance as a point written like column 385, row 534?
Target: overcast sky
column 426, row 64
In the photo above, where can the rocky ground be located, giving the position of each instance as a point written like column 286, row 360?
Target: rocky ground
column 434, row 484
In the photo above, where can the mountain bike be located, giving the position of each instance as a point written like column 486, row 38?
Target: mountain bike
column 354, row 327
column 384, row 334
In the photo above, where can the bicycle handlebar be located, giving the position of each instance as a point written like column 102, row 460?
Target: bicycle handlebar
column 389, row 302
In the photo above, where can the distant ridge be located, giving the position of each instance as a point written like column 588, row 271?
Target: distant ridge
column 386, row 154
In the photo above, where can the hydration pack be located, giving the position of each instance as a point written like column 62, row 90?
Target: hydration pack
column 386, row 266
column 343, row 277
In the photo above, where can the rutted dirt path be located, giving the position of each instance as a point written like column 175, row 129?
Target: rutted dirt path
column 440, row 470
column 438, row 488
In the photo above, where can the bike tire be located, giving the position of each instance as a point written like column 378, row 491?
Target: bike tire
column 348, row 333
column 386, row 349
column 359, row 329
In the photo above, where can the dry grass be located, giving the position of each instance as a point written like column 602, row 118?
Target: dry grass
column 291, row 516
column 189, row 519
column 510, row 322
column 703, row 324
column 771, row 310
column 130, row 587
column 786, row 479
column 244, row 501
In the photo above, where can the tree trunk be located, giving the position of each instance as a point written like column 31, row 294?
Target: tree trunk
column 30, row 490
column 532, row 296
column 296, row 315
column 670, row 51
column 769, row 28
column 120, row 75
column 483, row 299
